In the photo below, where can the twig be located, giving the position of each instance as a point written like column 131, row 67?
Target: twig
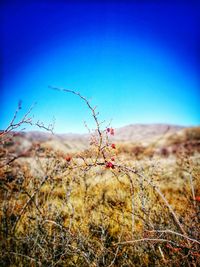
column 27, row 203
column 25, row 256
column 159, row 193
column 175, row 233
column 94, row 115
column 145, row 240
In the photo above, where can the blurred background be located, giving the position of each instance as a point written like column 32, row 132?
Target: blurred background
column 138, row 61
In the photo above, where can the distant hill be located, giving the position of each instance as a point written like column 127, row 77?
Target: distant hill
column 161, row 135
column 132, row 132
column 144, row 132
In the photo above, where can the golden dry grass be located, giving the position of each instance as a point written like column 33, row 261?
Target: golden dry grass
column 80, row 216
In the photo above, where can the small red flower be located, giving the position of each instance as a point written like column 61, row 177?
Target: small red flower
column 109, row 165
column 113, row 159
column 197, row 198
column 68, row 158
column 108, row 130
column 113, row 146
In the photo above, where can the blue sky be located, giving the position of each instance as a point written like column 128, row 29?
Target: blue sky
column 136, row 60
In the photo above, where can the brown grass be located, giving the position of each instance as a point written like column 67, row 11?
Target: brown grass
column 79, row 215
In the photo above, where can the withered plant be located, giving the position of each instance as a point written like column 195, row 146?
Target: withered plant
column 95, row 207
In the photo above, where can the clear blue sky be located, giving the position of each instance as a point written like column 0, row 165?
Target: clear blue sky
column 138, row 61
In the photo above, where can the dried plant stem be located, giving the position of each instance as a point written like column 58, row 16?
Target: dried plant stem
column 162, row 254
column 132, row 203
column 168, row 231
column 192, row 189
column 94, row 115
column 156, row 240
column 27, row 119
column 158, row 191
column 25, row 256
column 28, row 202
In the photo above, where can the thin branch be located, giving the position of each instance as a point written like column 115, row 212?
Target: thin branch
column 94, row 115
column 28, row 202
column 157, row 189
column 24, row 256
column 175, row 233
column 14, row 125
column 158, row 240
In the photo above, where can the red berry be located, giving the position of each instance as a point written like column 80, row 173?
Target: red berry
column 112, row 132
column 113, row 146
column 109, row 165
column 68, row 158
column 197, row 198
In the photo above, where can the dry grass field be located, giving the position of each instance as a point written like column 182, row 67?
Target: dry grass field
column 63, row 203
column 114, row 197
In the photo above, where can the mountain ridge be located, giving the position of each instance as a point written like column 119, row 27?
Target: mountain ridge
column 124, row 133
column 131, row 132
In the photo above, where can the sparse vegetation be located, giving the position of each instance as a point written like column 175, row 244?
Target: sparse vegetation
column 111, row 204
